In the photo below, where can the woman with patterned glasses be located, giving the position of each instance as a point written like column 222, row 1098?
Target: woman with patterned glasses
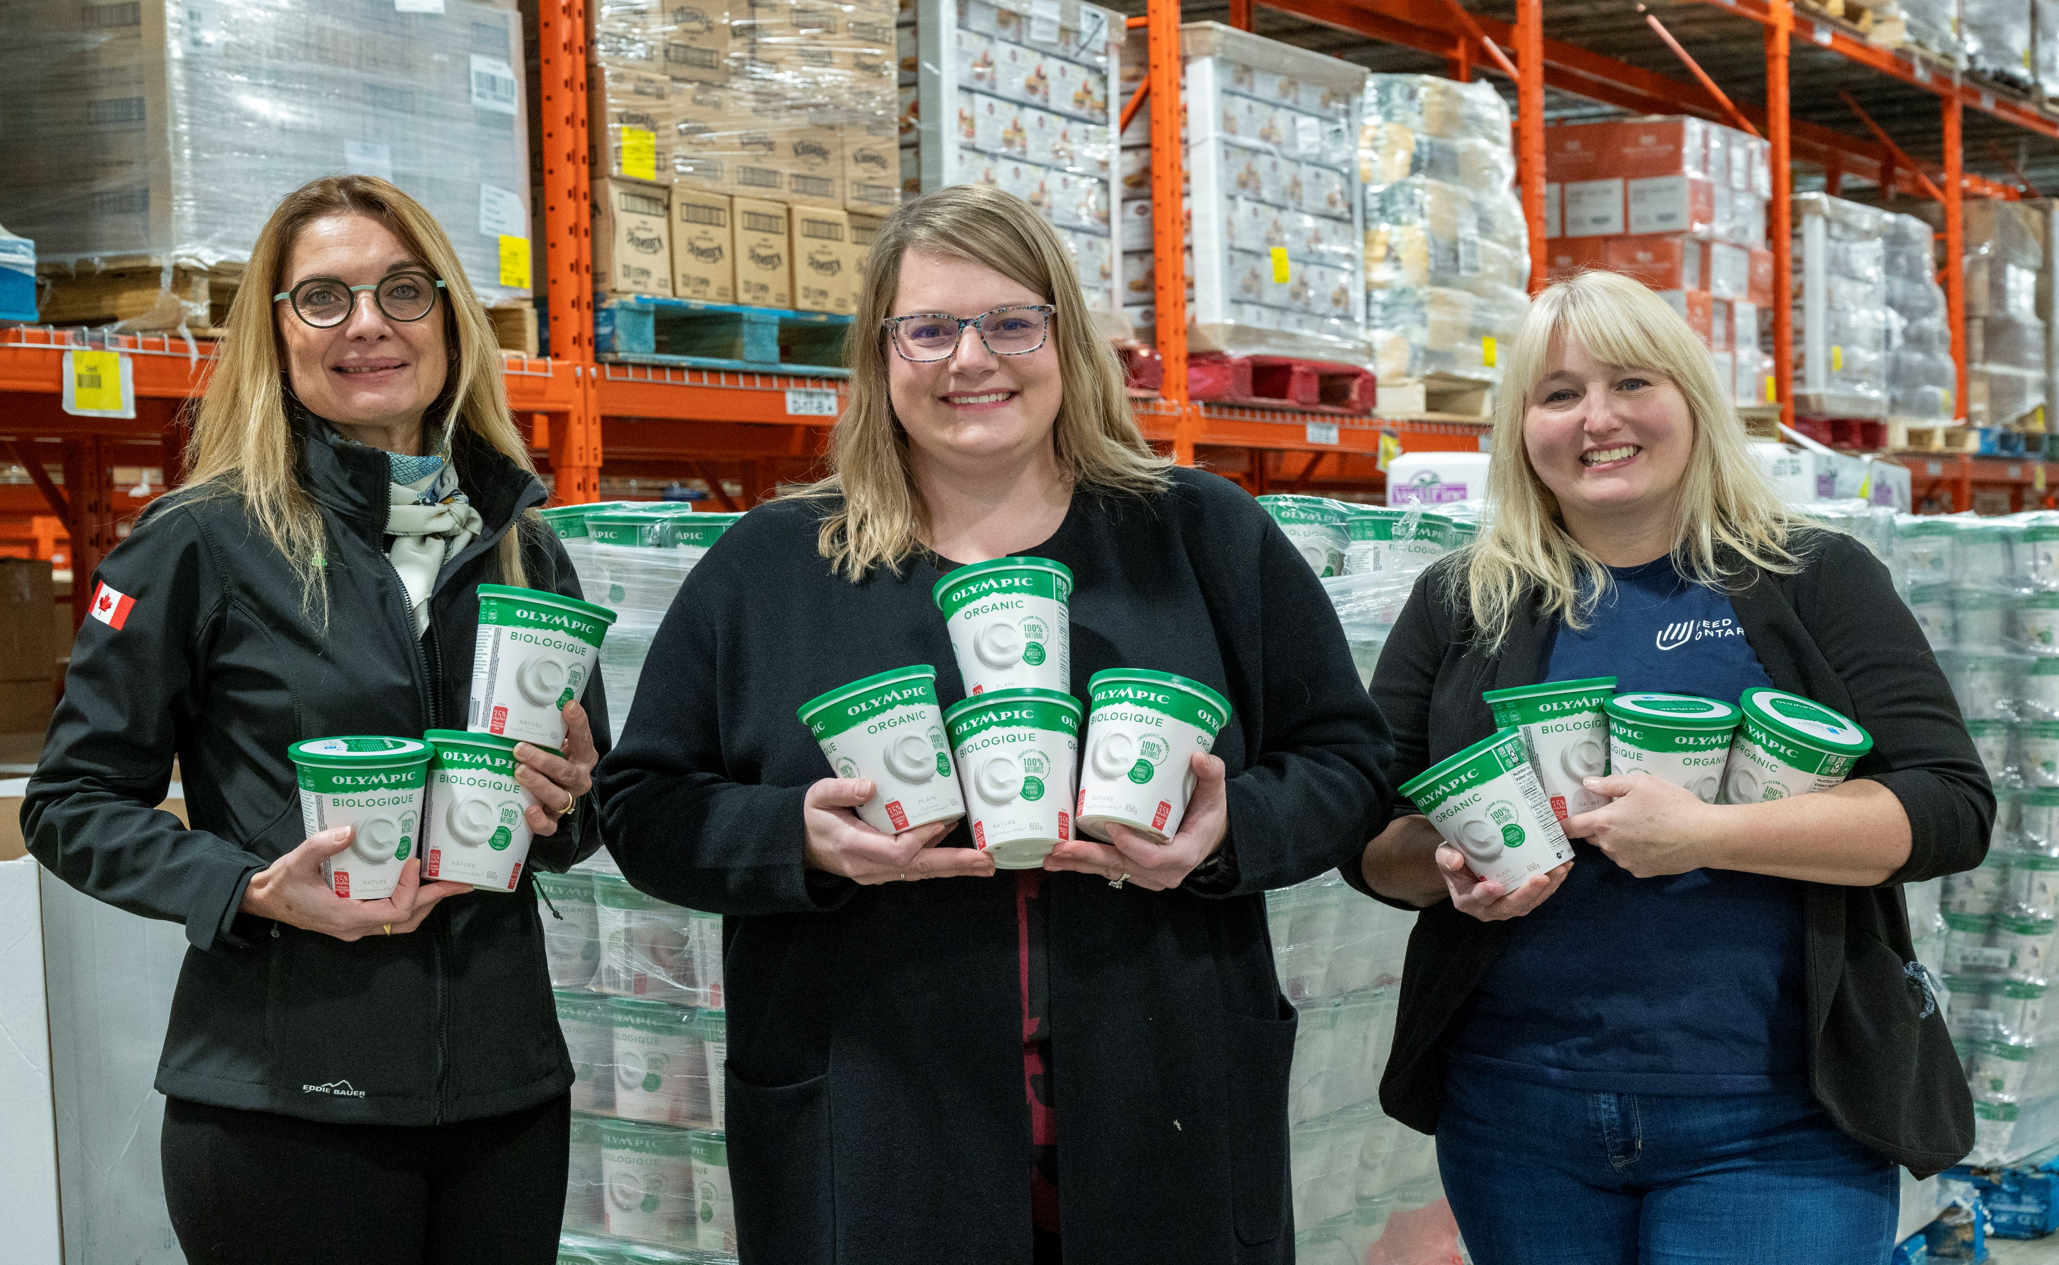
column 929, row 1061
column 347, row 1081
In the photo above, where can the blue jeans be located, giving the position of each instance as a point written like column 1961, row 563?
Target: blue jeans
column 1544, row 1175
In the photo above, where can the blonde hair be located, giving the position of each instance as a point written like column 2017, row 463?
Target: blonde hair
column 242, row 442
column 880, row 518
column 1728, row 513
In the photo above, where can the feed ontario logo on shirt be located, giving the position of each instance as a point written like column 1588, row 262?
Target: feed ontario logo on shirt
column 1675, row 635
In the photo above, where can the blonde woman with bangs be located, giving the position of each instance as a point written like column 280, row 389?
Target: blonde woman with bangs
column 345, row 1080
column 1709, row 1027
column 930, row 1061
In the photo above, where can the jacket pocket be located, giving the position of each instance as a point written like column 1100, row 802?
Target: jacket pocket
column 781, row 1171
column 1885, row 1063
column 1260, row 1053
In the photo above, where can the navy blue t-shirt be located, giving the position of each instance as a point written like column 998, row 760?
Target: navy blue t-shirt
column 1688, row 984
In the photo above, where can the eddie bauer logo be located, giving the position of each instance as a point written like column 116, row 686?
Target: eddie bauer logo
column 337, row 1089
column 1675, row 635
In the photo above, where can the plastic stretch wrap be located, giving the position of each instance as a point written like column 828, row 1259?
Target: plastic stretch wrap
column 1025, row 100
column 1274, row 220
column 1996, row 35
column 2007, row 352
column 1933, row 26
column 1446, row 254
column 1920, row 374
column 160, row 135
column 1842, row 311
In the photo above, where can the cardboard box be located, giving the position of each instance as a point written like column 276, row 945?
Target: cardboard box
column 703, row 247
column 1696, row 308
column 1660, row 147
column 863, row 229
column 28, row 642
column 630, row 116
column 26, row 706
column 1570, row 255
column 825, row 262
column 1594, row 208
column 1554, row 211
column 1761, row 288
column 763, row 275
column 1672, row 204
column 694, row 39
column 1729, row 271
column 705, row 126
column 632, row 251
column 1575, row 152
column 1662, row 261
column 1720, row 329
column 871, row 165
column 811, row 151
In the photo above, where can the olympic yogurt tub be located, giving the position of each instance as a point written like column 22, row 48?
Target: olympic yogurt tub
column 1931, row 604
column 536, row 653
column 1789, row 745
column 1009, row 623
column 1488, row 803
column 1315, row 526
column 1143, row 728
column 713, row 1027
column 2037, row 558
column 647, row 1170
column 887, row 727
column 1566, row 733
column 2037, row 622
column 659, row 1068
column 694, row 534
column 714, row 1206
column 590, row 1041
column 1676, row 738
column 1016, row 752
column 1993, row 740
column 477, row 829
column 1384, row 538
column 378, row 787
column 2038, row 741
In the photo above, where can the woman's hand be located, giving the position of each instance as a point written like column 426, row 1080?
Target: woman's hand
column 291, row 890
column 839, row 841
column 557, row 782
column 1491, row 902
column 1650, row 827
column 1157, row 867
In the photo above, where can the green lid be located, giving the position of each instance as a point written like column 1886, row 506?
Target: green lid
column 1675, row 711
column 1972, row 924
column 1321, row 510
column 847, row 706
column 714, row 1026
column 711, row 1147
column 1532, row 704
column 2043, row 729
column 1988, row 728
column 576, row 885
column 2039, row 667
column 542, row 598
column 2020, row 990
column 2038, row 796
column 2028, row 926
column 1372, row 522
column 662, row 1018
column 1037, row 577
column 1981, row 600
column 614, row 891
column 1805, row 722
column 646, row 1139
column 1485, row 760
column 2039, row 601
column 1022, row 707
column 1925, row 594
column 699, row 531
column 361, row 752
column 633, row 529
column 580, row 1006
column 1176, row 696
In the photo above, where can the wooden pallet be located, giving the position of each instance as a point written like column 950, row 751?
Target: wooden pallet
column 1311, row 386
column 1906, row 436
column 515, row 327
column 639, row 329
column 139, row 299
column 1436, row 397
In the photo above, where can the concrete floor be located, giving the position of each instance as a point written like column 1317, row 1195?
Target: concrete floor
column 2024, row 1251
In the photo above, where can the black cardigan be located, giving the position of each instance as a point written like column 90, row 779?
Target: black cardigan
column 875, row 1077
column 1880, row 1060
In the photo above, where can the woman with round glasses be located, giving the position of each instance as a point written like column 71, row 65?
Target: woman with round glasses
column 930, row 1061
column 346, row 1080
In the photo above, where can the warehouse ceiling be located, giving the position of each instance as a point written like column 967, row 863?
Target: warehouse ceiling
column 1732, row 50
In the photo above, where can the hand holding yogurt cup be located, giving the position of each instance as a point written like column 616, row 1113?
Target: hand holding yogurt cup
column 557, row 781
column 1132, row 856
column 292, row 890
column 840, row 842
column 1649, row 826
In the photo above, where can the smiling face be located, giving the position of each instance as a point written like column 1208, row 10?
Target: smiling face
column 372, row 376
column 1610, row 441
column 974, row 406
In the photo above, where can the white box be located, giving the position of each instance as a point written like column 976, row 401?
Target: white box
column 1554, row 210
column 28, row 1114
column 1594, row 208
column 1730, row 271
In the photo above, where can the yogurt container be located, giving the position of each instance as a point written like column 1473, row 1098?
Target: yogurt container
column 585, row 1187
column 1314, row 525
column 1999, row 1069
column 2037, row 554
column 2036, row 690
column 2030, row 887
column 660, row 1073
column 477, row 829
column 1981, row 618
column 2029, row 944
column 1677, row 738
column 714, row 1207
column 888, row 727
column 2038, row 743
column 713, row 1027
column 536, row 652
column 2037, row 819
column 637, row 560
column 2019, row 1008
column 2037, row 622
column 1420, row 537
column 1789, row 745
column 1931, row 604
column 704, row 954
column 648, row 1173
column 1143, row 728
column 571, row 927
column 694, row 534
column 590, row 1041
column 1980, row 553
column 1967, row 948
column 1977, row 892
column 1923, row 548
column 1566, row 732
column 645, row 949
column 1987, row 685
column 378, row 786
column 1016, row 751
column 1487, row 802
column 1009, row 624
column 1993, row 740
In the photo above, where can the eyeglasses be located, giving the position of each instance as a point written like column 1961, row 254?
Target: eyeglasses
column 1005, row 331
column 325, row 302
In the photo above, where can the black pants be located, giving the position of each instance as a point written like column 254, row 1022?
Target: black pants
column 254, row 1188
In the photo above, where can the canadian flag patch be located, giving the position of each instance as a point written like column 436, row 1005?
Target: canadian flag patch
column 112, row 607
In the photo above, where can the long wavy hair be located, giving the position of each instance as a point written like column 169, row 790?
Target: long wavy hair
column 243, row 443
column 878, row 517
column 1730, row 520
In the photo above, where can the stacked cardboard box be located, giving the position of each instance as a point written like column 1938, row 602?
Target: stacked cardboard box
column 1921, row 381
column 155, row 134
column 1679, row 203
column 28, row 646
column 1841, row 314
column 756, row 126
column 1021, row 96
column 2007, row 358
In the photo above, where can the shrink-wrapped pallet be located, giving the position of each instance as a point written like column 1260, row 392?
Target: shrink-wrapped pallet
column 1841, row 310
column 1920, row 373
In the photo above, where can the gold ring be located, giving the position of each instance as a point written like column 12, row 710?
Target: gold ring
column 388, row 926
column 570, row 804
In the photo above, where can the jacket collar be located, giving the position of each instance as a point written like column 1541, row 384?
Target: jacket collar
column 351, row 480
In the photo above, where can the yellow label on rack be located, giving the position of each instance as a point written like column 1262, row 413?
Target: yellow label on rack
column 639, row 154
column 1390, row 448
column 1488, row 348
column 1279, row 265
column 96, row 381
column 1771, row 396
column 1837, row 358
column 514, row 262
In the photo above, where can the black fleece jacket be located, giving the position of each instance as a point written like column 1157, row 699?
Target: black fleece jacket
column 1880, row 1059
